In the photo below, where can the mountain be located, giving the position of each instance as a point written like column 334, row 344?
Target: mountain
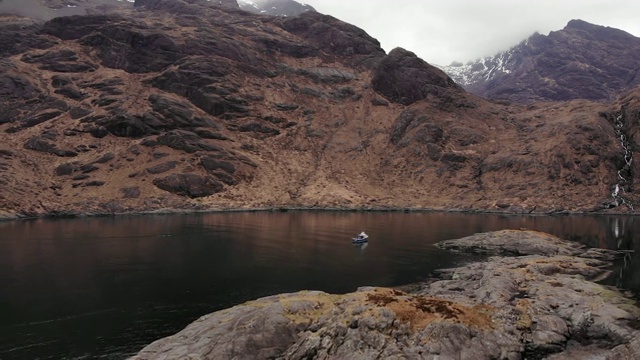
column 49, row 9
column 581, row 61
column 275, row 7
column 188, row 105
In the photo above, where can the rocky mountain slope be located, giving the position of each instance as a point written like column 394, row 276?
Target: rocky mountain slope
column 581, row 61
column 186, row 105
column 49, row 9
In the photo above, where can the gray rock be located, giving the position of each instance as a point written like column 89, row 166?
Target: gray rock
column 328, row 75
column 514, row 242
column 161, row 168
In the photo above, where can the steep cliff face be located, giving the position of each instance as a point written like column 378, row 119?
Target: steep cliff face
column 189, row 105
column 581, row 61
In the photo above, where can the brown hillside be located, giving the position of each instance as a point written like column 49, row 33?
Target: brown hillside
column 184, row 105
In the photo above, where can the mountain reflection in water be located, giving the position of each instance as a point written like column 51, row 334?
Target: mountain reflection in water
column 89, row 287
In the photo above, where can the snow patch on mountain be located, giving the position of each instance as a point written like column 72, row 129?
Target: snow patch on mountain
column 485, row 69
column 247, row 3
column 275, row 7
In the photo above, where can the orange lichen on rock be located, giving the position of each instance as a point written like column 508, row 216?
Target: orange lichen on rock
column 419, row 311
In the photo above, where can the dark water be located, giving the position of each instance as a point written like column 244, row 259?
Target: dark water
column 105, row 287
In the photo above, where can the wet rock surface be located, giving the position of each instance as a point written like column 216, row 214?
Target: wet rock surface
column 541, row 305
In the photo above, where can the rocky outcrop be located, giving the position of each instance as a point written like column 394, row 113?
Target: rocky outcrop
column 183, row 6
column 404, row 78
column 541, row 305
column 551, row 299
column 63, row 61
column 119, row 43
column 581, row 61
column 18, row 34
column 335, row 37
column 191, row 185
column 514, row 243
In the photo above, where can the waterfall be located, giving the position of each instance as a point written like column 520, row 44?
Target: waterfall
column 624, row 173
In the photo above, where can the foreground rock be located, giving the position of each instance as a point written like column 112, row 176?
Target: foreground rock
column 530, row 307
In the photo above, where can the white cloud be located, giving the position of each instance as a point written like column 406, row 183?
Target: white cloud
column 462, row 30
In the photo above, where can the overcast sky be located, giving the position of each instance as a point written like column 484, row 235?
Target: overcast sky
column 442, row 31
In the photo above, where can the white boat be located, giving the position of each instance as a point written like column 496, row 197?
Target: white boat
column 360, row 238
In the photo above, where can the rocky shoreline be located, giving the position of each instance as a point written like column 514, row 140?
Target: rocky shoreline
column 536, row 298
column 9, row 216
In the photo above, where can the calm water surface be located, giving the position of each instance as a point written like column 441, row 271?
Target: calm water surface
column 105, row 287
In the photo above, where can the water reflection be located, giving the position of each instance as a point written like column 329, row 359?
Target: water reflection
column 622, row 234
column 82, row 288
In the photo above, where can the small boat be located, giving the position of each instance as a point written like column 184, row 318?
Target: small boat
column 360, row 238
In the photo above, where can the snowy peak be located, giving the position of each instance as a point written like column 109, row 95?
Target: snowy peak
column 490, row 68
column 275, row 7
column 484, row 69
column 581, row 61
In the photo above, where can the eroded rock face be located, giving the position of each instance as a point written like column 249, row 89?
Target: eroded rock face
column 19, row 34
column 334, row 36
column 63, row 61
column 526, row 307
column 191, row 185
column 119, row 43
column 182, row 6
column 405, row 78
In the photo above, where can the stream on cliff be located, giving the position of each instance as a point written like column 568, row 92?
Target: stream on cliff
column 105, row 287
column 624, row 172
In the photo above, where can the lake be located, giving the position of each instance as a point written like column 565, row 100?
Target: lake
column 105, row 287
